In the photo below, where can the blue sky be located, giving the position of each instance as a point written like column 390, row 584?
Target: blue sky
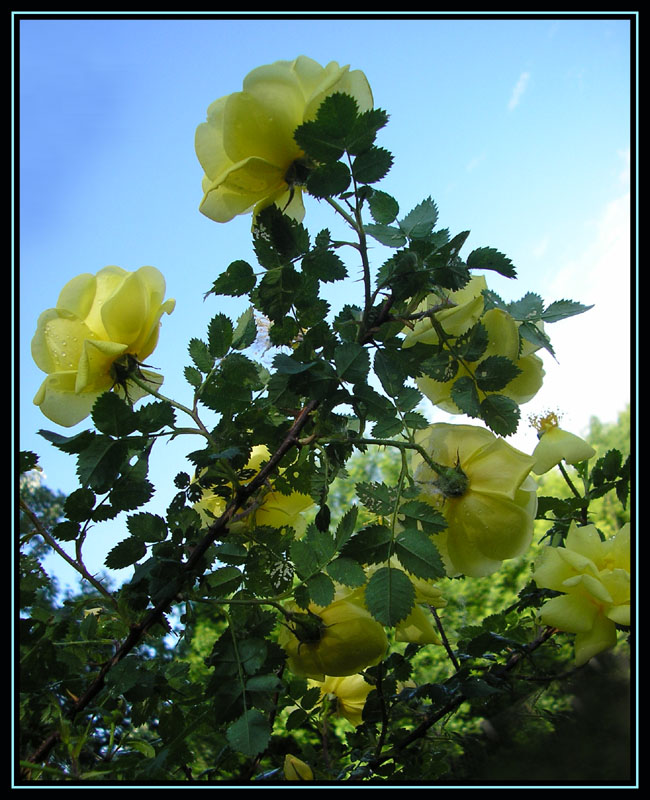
column 519, row 129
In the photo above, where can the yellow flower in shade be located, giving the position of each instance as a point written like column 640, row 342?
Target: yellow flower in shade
column 594, row 578
column 556, row 444
column 348, row 693
column 98, row 323
column 503, row 340
column 464, row 312
column 274, row 509
column 297, row 770
column 489, row 502
column 338, row 640
column 246, row 146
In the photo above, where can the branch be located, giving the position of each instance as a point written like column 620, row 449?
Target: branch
column 139, row 630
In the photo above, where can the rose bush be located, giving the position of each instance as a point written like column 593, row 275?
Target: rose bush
column 594, row 578
column 490, row 517
column 246, row 146
column 98, row 323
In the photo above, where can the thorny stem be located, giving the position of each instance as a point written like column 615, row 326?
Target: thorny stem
column 76, row 565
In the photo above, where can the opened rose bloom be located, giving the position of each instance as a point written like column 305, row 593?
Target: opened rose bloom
column 270, row 507
column 102, row 328
column 246, row 146
column 348, row 695
column 485, row 492
column 556, row 445
column 503, row 340
column 594, row 578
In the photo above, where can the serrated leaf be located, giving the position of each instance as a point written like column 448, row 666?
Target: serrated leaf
column 220, row 333
column 389, row 596
column 346, row 571
column 442, row 367
column 529, row 307
column 390, row 371
column 287, row 365
column 66, row 531
column 69, row 444
column 383, row 207
column 193, row 376
column 125, row 553
column 154, row 416
column 431, row 520
column 352, row 362
column 323, row 138
column 561, row 309
column 464, row 394
column 324, row 265
column 419, row 222
column 112, row 415
column 533, row 334
column 418, row 555
column 471, row 345
column 364, row 131
column 147, row 527
column 238, row 279
column 250, row 734
column 386, row 235
column 321, row 589
column 27, row 461
column 79, row 504
column 491, row 259
column 370, row 545
column 378, row 498
column 346, row 526
column 101, row 462
column 200, row 355
column 329, row 180
column 500, row 413
column 495, row 373
column 371, row 165
column 128, row 494
column 245, row 331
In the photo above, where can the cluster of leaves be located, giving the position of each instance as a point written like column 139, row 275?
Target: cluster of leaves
column 120, row 702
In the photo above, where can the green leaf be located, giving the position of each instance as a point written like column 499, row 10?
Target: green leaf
column 66, row 531
column 364, row 131
column 383, row 207
column 442, row 367
column 489, row 258
column 352, row 362
column 464, row 394
column 125, row 553
column 321, row 589
column 561, row 309
column 370, row 404
column 101, row 462
column 323, row 138
column 390, row 371
column 533, row 334
column 495, row 373
column 329, row 180
column 370, row 545
column 471, row 345
column 147, row 527
column 529, row 307
column 418, row 555
column 386, row 235
column 419, row 222
column 200, row 355
column 129, row 493
column 245, row 331
column 237, row 280
column 154, row 416
column 250, row 734
column 347, row 571
column 28, row 461
column 389, row 596
column 193, row 377
column 430, row 519
column 324, row 265
column 346, row 526
column 69, row 444
column 371, row 165
column 275, row 293
column 500, row 413
column 378, row 498
column 220, row 333
column 112, row 415
column 287, row 365
column 79, row 505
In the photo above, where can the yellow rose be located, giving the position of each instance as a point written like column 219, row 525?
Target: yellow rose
column 275, row 509
column 98, row 320
column 490, row 509
column 503, row 340
column 556, row 444
column 296, row 770
column 246, row 146
column 457, row 319
column 340, row 639
column 594, row 578
column 349, row 693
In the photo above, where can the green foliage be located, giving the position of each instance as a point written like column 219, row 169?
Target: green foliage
column 179, row 675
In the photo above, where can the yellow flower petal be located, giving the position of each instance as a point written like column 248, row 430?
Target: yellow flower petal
column 601, row 636
column 558, row 445
column 571, row 613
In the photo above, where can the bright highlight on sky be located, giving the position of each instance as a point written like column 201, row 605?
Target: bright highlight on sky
column 519, row 129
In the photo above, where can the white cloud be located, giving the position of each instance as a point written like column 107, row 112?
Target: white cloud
column 517, row 92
